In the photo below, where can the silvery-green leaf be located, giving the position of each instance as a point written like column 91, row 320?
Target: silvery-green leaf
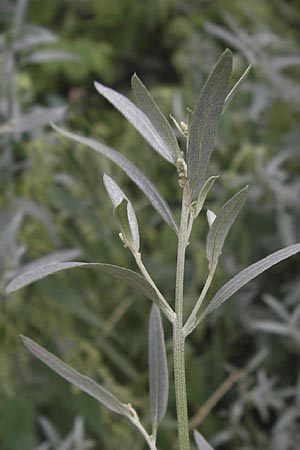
column 137, row 118
column 50, row 258
column 211, row 217
column 129, row 277
column 203, row 194
column 270, row 326
column 158, row 369
column 129, row 229
column 33, row 35
column 84, row 383
column 35, row 119
column 117, row 195
column 42, row 56
column 205, row 122
column 248, row 274
column 156, row 117
column 201, row 443
column 233, row 91
column 221, row 226
column 136, row 175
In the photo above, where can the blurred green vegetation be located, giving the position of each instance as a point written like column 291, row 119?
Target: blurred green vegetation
column 52, row 200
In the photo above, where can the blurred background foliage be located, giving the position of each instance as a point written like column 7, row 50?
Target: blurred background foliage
column 53, row 207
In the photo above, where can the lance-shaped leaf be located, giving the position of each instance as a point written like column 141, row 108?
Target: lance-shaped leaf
column 233, row 91
column 156, row 117
column 201, row 443
column 117, row 196
column 158, row 369
column 248, row 274
column 128, row 276
column 126, row 221
column 205, row 121
column 203, row 194
column 136, row 175
column 84, row 383
column 138, row 119
column 221, row 226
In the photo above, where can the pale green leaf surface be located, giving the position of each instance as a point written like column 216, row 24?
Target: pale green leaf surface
column 117, row 196
column 128, row 276
column 158, row 369
column 205, row 122
column 156, row 117
column 84, row 383
column 136, row 175
column 201, row 443
column 122, row 212
column 246, row 275
column 137, row 118
column 203, row 194
column 221, row 226
column 235, row 88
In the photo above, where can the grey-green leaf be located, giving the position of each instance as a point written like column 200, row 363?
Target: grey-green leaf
column 84, row 383
column 137, row 118
column 129, row 277
column 201, row 443
column 136, row 175
column 158, row 369
column 156, row 117
column 235, row 88
column 203, row 194
column 205, row 121
column 117, row 196
column 123, row 214
column 221, row 226
column 246, row 275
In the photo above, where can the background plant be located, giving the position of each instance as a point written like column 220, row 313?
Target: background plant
column 57, row 178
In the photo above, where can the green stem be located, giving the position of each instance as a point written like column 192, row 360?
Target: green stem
column 178, row 337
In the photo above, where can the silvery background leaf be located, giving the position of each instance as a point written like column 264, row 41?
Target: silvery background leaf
column 35, row 119
column 154, row 114
column 205, row 121
column 84, row 383
column 136, row 175
column 138, row 119
column 42, row 56
column 158, row 369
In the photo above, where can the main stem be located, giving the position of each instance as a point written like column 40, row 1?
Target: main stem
column 178, row 336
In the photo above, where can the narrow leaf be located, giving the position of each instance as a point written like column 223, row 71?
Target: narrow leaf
column 201, row 443
column 136, row 175
column 156, row 117
column 84, row 383
column 129, row 277
column 221, row 226
column 203, row 194
column 35, row 119
column 137, row 118
column 248, row 274
column 117, row 195
column 211, row 217
column 205, row 121
column 42, row 56
column 158, row 369
column 123, row 214
column 235, row 88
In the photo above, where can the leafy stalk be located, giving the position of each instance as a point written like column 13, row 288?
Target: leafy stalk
column 178, row 336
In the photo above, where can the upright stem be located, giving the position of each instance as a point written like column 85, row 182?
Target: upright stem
column 178, row 337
